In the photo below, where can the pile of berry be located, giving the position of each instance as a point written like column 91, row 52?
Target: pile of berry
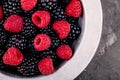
column 36, row 36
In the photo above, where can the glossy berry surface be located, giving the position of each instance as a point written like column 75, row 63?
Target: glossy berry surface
column 37, row 36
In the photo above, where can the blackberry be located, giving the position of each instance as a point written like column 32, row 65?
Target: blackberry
column 48, row 30
column 2, row 2
column 58, row 14
column 75, row 32
column 30, row 47
column 17, row 41
column 47, row 4
column 2, row 66
column 11, row 7
column 29, row 28
column 55, row 42
column 72, row 20
column 3, row 36
column 29, row 13
column 65, row 41
column 51, row 54
column 54, row 39
column 1, row 22
column 29, row 67
column 63, row 3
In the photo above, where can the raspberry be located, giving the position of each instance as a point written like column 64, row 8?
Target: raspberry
column 46, row 66
column 17, row 41
column 28, row 5
column 64, row 52
column 42, row 42
column 29, row 29
column 14, row 23
column 12, row 7
column 12, row 57
column 29, row 67
column 58, row 13
column 74, row 9
column 1, row 13
column 41, row 18
column 62, row 28
column 47, row 4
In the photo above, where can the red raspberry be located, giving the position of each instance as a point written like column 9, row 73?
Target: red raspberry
column 14, row 23
column 64, row 52
column 28, row 5
column 12, row 57
column 1, row 13
column 42, row 42
column 74, row 8
column 45, row 66
column 62, row 28
column 41, row 18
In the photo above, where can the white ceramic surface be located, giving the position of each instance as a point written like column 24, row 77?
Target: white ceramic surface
column 87, row 46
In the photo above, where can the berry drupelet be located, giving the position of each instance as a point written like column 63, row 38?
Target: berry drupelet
column 55, row 42
column 2, row 65
column 51, row 54
column 58, row 14
column 3, row 36
column 63, row 3
column 29, row 67
column 75, row 32
column 48, row 30
column 30, row 46
column 17, row 41
column 47, row 4
column 29, row 29
column 11, row 7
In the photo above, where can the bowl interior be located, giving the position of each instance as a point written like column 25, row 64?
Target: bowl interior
column 85, row 49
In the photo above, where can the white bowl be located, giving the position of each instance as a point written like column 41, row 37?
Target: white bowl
column 88, row 43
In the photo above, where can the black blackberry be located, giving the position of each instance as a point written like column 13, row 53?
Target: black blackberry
column 2, row 2
column 75, row 32
column 48, row 30
column 58, row 13
column 65, row 41
column 51, row 54
column 29, row 13
column 29, row 67
column 47, row 4
column 1, row 22
column 55, row 42
column 72, row 20
column 54, row 39
column 2, row 65
column 30, row 47
column 17, row 41
column 29, row 28
column 3, row 36
column 63, row 3
column 12, row 7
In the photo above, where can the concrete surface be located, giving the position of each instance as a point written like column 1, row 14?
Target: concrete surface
column 106, row 63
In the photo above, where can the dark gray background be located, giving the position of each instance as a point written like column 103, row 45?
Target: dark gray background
column 106, row 63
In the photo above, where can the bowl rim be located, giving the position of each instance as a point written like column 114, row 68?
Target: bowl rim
column 90, row 38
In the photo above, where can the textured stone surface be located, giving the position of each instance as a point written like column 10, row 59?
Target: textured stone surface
column 106, row 63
